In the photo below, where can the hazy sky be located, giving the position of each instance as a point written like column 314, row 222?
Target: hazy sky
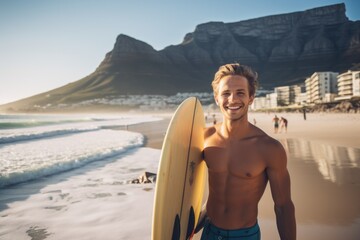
column 45, row 44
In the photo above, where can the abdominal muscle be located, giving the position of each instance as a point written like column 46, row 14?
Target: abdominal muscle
column 233, row 201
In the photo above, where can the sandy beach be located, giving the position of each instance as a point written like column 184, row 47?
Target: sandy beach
column 325, row 189
column 98, row 202
column 324, row 161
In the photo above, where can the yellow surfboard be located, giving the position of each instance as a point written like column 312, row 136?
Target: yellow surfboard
column 181, row 175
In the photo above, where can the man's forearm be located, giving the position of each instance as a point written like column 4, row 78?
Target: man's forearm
column 285, row 220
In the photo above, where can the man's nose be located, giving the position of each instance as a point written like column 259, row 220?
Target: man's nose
column 233, row 98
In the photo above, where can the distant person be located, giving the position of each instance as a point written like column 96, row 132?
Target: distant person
column 283, row 124
column 304, row 112
column 276, row 124
column 214, row 121
column 241, row 160
column 254, row 121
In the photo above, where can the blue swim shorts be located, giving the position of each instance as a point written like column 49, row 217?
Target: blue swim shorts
column 211, row 232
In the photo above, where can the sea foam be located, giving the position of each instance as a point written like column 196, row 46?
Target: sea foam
column 25, row 161
column 60, row 143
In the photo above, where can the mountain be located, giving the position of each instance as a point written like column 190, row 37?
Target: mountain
column 284, row 49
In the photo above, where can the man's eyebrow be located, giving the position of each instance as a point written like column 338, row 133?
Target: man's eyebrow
column 226, row 90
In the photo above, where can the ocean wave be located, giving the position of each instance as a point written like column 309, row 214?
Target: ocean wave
column 90, row 124
column 28, row 121
column 32, row 160
column 37, row 133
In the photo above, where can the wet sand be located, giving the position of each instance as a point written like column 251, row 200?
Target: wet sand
column 154, row 132
column 329, row 128
column 324, row 164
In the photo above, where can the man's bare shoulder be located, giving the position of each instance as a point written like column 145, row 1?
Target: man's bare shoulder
column 259, row 134
column 273, row 151
column 265, row 141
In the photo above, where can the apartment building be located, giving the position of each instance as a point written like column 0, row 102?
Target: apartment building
column 348, row 85
column 356, row 84
column 319, row 85
column 287, row 95
column 269, row 101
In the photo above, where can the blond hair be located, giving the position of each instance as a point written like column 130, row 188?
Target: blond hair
column 236, row 69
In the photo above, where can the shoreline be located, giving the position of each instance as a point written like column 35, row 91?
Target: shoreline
column 335, row 129
column 329, row 128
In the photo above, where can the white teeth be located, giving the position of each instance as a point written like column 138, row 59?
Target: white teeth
column 233, row 108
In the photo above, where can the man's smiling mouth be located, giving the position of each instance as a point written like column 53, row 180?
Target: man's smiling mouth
column 233, row 107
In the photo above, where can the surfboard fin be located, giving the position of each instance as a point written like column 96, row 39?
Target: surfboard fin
column 191, row 224
column 176, row 228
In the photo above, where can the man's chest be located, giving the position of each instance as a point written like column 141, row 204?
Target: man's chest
column 241, row 160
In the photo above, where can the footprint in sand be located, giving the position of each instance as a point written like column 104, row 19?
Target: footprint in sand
column 118, row 183
column 147, row 189
column 64, row 195
column 100, row 195
column 96, row 180
column 121, row 194
column 37, row 233
column 56, row 208
column 90, row 185
column 59, row 192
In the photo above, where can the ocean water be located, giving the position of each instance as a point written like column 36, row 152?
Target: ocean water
column 34, row 146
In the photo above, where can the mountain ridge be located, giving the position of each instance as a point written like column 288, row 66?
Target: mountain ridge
column 284, row 49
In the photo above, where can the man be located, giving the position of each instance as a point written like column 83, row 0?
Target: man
column 276, row 124
column 241, row 159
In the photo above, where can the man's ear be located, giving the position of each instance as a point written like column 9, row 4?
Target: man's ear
column 251, row 99
column 216, row 101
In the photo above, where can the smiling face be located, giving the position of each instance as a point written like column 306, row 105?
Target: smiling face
column 233, row 97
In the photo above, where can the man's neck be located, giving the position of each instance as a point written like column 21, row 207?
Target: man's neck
column 234, row 129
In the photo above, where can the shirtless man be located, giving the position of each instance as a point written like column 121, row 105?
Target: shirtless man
column 241, row 159
column 276, row 121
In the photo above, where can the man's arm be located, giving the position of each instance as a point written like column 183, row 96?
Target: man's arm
column 279, row 179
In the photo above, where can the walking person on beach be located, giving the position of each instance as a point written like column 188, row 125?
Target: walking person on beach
column 276, row 124
column 241, row 160
column 283, row 124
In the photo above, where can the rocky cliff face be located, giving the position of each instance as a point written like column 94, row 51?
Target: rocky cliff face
column 284, row 49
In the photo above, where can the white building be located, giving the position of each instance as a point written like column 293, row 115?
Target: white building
column 283, row 95
column 286, row 95
column 356, row 84
column 258, row 103
column 348, row 85
column 272, row 100
column 320, row 84
column 300, row 99
column 269, row 101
